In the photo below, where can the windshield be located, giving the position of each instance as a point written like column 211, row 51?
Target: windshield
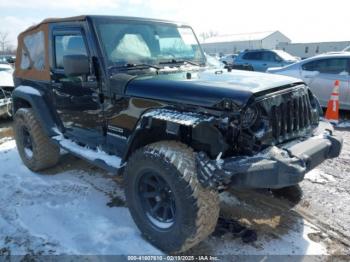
column 285, row 56
column 152, row 43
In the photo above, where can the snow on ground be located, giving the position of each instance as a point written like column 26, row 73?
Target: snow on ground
column 292, row 240
column 318, row 176
column 344, row 124
column 88, row 153
column 65, row 211
column 61, row 213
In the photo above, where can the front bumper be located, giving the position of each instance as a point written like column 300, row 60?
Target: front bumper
column 275, row 167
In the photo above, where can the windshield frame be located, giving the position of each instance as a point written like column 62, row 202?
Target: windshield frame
column 140, row 21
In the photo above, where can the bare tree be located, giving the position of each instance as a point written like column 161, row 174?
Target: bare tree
column 4, row 42
column 206, row 35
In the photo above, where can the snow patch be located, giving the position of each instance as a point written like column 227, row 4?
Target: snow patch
column 65, row 213
column 318, row 176
column 5, row 139
column 88, row 153
column 344, row 124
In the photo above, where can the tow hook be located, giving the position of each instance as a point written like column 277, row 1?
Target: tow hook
column 210, row 172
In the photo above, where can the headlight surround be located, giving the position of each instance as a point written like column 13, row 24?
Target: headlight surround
column 249, row 116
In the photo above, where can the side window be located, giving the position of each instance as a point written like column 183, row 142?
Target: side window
column 269, row 56
column 33, row 52
column 252, row 56
column 68, row 45
column 311, row 66
column 328, row 66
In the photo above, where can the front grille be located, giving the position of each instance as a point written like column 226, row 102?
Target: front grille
column 290, row 117
column 289, row 114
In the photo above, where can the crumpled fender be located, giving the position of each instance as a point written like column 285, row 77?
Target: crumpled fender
column 175, row 116
column 202, row 127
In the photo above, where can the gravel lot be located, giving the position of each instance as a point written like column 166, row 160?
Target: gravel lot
column 53, row 212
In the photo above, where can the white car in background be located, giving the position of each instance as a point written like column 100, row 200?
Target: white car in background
column 6, row 88
column 228, row 59
column 320, row 72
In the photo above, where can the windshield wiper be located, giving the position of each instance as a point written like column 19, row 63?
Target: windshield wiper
column 134, row 66
column 182, row 61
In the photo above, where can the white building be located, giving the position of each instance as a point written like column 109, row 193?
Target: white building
column 305, row 50
column 229, row 44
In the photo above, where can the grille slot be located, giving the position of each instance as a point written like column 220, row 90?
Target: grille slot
column 290, row 117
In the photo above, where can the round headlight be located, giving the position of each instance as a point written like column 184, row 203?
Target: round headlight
column 249, row 117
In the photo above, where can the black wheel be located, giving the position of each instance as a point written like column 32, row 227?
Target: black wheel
column 157, row 198
column 168, row 204
column 36, row 150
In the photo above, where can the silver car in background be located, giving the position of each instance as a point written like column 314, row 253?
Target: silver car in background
column 319, row 73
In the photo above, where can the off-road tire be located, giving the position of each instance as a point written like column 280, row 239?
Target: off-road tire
column 45, row 153
column 197, row 208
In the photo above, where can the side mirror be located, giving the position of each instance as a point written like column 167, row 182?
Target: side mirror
column 76, row 65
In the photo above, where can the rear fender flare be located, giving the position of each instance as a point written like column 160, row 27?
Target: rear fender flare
column 37, row 102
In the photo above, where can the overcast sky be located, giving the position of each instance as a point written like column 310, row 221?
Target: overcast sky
column 300, row 20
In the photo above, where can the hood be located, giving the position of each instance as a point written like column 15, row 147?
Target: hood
column 205, row 88
column 6, row 79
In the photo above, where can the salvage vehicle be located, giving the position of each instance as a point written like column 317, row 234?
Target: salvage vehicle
column 134, row 96
column 6, row 88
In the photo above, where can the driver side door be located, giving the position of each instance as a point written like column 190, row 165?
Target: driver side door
column 76, row 98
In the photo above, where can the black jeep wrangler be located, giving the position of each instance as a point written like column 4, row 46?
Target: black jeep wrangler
column 136, row 97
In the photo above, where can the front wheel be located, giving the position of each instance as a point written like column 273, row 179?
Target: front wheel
column 168, row 204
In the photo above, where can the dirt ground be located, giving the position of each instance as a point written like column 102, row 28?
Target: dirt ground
column 317, row 210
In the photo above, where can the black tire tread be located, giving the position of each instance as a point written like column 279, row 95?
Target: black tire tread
column 46, row 153
column 207, row 201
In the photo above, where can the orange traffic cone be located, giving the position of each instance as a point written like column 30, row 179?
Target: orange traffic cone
column 332, row 112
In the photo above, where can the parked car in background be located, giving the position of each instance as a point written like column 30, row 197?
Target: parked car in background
column 228, row 59
column 6, row 88
column 11, row 59
column 262, row 59
column 320, row 72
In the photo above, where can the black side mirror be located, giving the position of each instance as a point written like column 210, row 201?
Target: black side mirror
column 76, row 65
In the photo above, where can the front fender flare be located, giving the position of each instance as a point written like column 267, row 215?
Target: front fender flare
column 201, row 126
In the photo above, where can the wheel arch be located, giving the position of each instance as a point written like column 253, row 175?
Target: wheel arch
column 27, row 98
column 199, row 132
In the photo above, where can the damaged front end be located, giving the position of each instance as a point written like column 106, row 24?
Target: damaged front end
column 275, row 167
column 280, row 141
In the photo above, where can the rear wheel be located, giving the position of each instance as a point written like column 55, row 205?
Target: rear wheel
column 35, row 148
column 168, row 204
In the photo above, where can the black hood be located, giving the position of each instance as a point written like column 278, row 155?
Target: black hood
column 206, row 88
